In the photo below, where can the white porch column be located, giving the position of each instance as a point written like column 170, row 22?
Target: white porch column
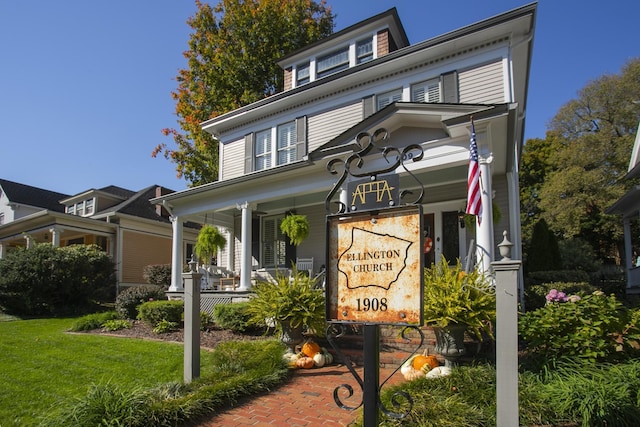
column 55, row 236
column 484, row 228
column 1, row 250
column 176, row 255
column 231, row 248
column 29, row 240
column 245, row 248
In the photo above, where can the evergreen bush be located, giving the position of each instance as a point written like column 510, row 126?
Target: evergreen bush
column 158, row 274
column 128, row 301
column 45, row 280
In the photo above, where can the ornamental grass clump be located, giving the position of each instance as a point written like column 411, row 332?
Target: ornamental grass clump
column 455, row 297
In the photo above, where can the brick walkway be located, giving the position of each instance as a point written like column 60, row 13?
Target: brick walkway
column 305, row 400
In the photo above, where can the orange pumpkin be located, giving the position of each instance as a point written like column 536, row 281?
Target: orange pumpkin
column 310, row 348
column 425, row 362
column 305, row 363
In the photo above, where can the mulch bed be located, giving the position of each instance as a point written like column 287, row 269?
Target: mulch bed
column 208, row 338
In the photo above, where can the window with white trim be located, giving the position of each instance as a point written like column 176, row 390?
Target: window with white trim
column 274, row 243
column 302, row 74
column 88, row 207
column 332, row 63
column 426, row 91
column 263, row 150
column 364, row 50
column 386, row 98
column 286, row 143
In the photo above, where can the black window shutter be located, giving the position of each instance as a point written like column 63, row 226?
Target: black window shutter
column 248, row 153
column 450, row 88
column 301, row 137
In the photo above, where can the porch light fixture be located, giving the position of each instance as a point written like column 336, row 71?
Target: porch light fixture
column 461, row 218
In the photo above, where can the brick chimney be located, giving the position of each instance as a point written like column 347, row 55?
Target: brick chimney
column 288, row 78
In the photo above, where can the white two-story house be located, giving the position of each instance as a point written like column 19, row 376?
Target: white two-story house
column 274, row 153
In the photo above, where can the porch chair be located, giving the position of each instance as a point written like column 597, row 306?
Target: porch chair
column 305, row 264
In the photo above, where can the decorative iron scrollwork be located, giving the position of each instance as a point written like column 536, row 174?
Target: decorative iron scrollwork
column 399, row 399
column 354, row 164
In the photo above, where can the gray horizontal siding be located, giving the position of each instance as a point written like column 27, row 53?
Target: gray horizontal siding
column 327, row 125
column 483, row 84
column 233, row 160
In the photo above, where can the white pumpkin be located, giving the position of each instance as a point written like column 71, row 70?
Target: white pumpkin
column 319, row 359
column 440, row 371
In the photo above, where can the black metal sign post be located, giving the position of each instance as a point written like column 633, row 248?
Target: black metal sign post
column 374, row 259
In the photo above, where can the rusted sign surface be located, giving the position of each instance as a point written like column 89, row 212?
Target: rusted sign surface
column 375, row 270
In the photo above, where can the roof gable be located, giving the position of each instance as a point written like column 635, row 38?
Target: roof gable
column 32, row 196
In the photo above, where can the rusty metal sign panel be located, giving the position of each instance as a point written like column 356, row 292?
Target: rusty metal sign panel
column 375, row 266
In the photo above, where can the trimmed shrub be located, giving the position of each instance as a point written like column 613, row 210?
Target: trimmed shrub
column 206, row 320
column 158, row 274
column 128, row 301
column 45, row 280
column 154, row 312
column 554, row 276
column 232, row 316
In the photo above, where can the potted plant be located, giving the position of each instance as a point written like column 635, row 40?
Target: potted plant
column 289, row 306
column 209, row 241
column 296, row 227
column 456, row 302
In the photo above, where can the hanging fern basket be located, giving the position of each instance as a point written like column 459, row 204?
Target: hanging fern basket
column 470, row 220
column 295, row 227
column 209, row 242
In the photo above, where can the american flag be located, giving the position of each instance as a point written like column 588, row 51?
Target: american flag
column 474, row 201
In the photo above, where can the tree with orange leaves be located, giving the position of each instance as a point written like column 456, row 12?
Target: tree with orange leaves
column 231, row 62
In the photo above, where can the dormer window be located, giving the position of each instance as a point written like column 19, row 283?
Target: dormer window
column 364, row 50
column 82, row 208
column 303, row 75
column 332, row 63
column 88, row 207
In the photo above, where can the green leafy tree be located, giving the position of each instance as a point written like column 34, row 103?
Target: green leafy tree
column 535, row 165
column 591, row 138
column 231, row 62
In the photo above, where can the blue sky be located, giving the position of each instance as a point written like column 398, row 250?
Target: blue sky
column 85, row 86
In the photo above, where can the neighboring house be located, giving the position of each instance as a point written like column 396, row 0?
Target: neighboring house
column 122, row 222
column 274, row 152
column 628, row 207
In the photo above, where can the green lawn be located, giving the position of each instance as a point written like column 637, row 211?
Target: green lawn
column 42, row 366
